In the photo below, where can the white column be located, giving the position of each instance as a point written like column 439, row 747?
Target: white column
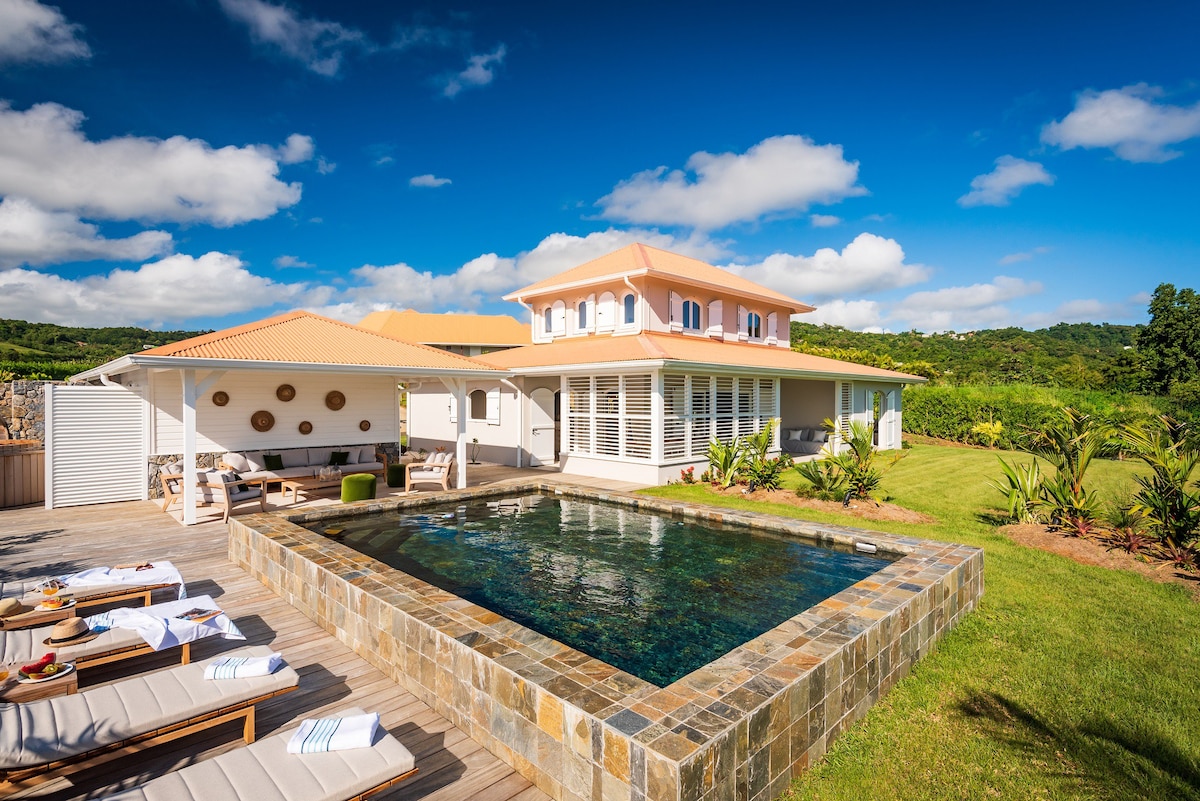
column 189, row 447
column 657, row 417
column 458, row 387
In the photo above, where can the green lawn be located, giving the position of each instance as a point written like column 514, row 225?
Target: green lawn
column 1067, row 682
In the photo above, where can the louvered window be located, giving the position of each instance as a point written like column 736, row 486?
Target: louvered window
column 698, row 408
column 609, row 415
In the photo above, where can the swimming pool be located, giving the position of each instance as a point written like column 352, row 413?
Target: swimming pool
column 655, row 596
column 741, row 726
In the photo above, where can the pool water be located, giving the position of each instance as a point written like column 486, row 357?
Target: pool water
column 654, row 596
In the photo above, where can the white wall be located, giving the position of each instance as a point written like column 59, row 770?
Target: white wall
column 429, row 422
column 227, row 428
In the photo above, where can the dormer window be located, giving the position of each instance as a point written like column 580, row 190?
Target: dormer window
column 630, row 303
column 691, row 315
column 754, row 325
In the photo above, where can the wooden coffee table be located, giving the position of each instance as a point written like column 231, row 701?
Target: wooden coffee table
column 17, row 693
column 296, row 485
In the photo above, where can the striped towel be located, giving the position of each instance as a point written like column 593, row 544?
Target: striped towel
column 334, row 734
column 242, row 667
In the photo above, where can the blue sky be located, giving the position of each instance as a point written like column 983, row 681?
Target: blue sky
column 202, row 163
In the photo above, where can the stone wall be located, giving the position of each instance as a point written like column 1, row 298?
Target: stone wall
column 23, row 409
column 740, row 728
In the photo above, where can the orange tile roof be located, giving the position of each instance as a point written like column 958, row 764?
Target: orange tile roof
column 681, row 348
column 449, row 329
column 301, row 337
column 639, row 259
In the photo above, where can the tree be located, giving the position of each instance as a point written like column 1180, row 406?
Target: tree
column 1170, row 344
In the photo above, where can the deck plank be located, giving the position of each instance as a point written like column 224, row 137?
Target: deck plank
column 35, row 541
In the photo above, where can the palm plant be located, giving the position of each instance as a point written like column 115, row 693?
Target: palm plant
column 1023, row 490
column 859, row 461
column 826, row 479
column 1170, row 507
column 1070, row 444
column 726, row 461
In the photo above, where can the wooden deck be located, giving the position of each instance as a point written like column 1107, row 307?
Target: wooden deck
column 34, row 542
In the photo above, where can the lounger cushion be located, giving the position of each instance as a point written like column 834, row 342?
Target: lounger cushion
column 265, row 771
column 25, row 645
column 43, row 731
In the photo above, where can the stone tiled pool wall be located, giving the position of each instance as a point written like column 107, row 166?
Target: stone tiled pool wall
column 737, row 729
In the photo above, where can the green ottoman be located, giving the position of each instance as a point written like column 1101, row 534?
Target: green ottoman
column 358, row 487
column 395, row 475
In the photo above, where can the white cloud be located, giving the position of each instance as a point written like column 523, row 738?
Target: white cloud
column 30, row 235
column 870, row 263
column 429, row 180
column 963, row 308
column 34, row 33
column 172, row 290
column 1013, row 258
column 318, row 44
column 1128, row 121
column 1090, row 310
column 296, row 149
column 44, row 156
column 1002, row 184
column 779, row 174
column 857, row 315
column 325, row 167
column 480, row 71
column 290, row 261
column 824, row 220
column 489, row 276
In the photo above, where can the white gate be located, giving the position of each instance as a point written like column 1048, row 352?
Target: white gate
column 95, row 446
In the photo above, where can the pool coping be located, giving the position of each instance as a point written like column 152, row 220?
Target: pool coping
column 739, row 727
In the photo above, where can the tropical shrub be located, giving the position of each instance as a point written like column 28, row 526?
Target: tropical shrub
column 1170, row 506
column 989, row 432
column 726, row 461
column 826, row 480
column 1070, row 443
column 1022, row 490
column 860, row 463
column 767, row 473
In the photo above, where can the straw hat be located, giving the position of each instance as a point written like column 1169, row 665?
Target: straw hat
column 12, row 606
column 71, row 631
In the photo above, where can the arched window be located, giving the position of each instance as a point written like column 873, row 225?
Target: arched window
column 691, row 315
column 549, row 320
column 630, row 302
column 478, row 405
column 754, row 325
column 583, row 318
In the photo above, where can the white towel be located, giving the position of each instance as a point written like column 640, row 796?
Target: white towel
column 334, row 734
column 242, row 667
column 159, row 573
column 160, row 627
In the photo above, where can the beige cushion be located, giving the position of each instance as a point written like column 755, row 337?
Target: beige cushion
column 265, row 771
column 42, row 731
column 295, row 457
column 318, row 456
column 25, row 645
column 236, row 461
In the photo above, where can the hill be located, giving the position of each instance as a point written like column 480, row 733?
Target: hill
column 45, row 350
column 1078, row 355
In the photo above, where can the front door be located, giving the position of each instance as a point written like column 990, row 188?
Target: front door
column 542, row 428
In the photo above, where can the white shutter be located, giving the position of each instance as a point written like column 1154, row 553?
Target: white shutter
column 453, row 408
column 493, row 406
column 95, row 446
column 606, row 312
column 676, row 323
column 591, row 313
column 714, row 319
column 845, row 402
column 772, row 328
column 743, row 332
column 558, row 317
column 674, row 416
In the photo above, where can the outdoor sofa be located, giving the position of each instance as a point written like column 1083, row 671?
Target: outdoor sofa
column 803, row 441
column 303, row 462
column 265, row 771
column 112, row 720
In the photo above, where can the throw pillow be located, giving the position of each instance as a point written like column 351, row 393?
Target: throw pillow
column 820, row 436
column 274, row 461
column 229, row 476
column 339, row 458
column 796, row 434
column 236, row 461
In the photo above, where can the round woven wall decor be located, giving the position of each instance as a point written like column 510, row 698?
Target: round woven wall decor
column 220, row 397
column 262, row 420
column 335, row 400
column 305, row 428
column 285, row 392
column 364, row 425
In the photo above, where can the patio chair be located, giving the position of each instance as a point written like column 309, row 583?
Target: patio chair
column 265, row 771
column 116, row 643
column 437, row 469
column 113, row 720
column 215, row 487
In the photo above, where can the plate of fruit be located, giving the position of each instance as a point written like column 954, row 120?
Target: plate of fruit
column 44, row 669
column 50, row 604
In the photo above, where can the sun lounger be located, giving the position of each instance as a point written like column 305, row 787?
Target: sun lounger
column 118, row 643
column 265, row 771
column 100, row 585
column 112, row 720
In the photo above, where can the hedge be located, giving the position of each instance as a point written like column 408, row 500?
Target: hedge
column 951, row 412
